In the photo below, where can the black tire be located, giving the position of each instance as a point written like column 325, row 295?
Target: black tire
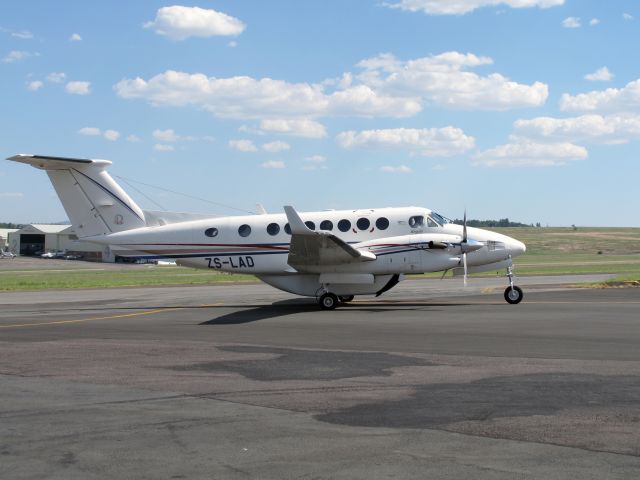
column 346, row 298
column 513, row 295
column 328, row 301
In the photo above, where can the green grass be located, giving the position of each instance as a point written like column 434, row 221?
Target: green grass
column 124, row 277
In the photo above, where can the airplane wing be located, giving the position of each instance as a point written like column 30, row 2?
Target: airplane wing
column 311, row 248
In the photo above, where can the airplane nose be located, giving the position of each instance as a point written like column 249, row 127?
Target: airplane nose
column 517, row 247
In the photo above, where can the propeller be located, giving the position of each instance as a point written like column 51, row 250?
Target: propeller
column 463, row 246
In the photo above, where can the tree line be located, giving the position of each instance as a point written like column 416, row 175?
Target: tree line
column 503, row 222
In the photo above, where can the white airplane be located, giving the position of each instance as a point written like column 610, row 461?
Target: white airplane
column 330, row 255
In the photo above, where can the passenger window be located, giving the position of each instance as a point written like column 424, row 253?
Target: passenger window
column 310, row 225
column 273, row 229
column 431, row 222
column 344, row 225
column 244, row 230
column 326, row 225
column 417, row 221
column 211, row 232
column 363, row 223
column 382, row 223
column 287, row 229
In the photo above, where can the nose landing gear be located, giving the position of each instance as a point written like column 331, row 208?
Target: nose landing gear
column 513, row 294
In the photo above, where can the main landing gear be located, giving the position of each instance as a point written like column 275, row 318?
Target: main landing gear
column 329, row 301
column 513, row 294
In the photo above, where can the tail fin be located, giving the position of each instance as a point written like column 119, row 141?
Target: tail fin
column 94, row 202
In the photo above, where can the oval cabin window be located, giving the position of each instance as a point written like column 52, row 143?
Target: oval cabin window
column 211, row 232
column 363, row 223
column 326, row 225
column 344, row 225
column 382, row 223
column 244, row 230
column 273, row 229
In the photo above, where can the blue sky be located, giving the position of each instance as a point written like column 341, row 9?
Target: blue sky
column 526, row 109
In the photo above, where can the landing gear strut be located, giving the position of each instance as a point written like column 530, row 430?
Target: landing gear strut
column 513, row 294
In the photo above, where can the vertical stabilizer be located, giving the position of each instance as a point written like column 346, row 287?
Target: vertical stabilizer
column 94, row 202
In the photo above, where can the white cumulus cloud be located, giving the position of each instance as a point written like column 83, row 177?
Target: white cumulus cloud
column 34, row 85
column 243, row 145
column 386, row 87
column 525, row 153
column 627, row 16
column 133, row 138
column 601, row 75
column 430, row 142
column 56, row 77
column 23, row 35
column 592, row 128
column 315, row 159
column 277, row 146
column 273, row 164
column 571, row 22
column 78, row 88
column 90, row 131
column 625, row 99
column 246, row 97
column 396, row 169
column 444, row 80
column 17, row 55
column 165, row 135
column 460, row 7
column 111, row 135
column 160, row 147
column 594, row 21
column 75, row 37
column 297, row 127
column 179, row 22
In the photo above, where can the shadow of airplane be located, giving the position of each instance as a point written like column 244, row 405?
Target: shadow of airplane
column 295, row 306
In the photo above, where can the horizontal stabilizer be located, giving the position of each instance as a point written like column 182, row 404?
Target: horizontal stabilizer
column 47, row 162
column 94, row 202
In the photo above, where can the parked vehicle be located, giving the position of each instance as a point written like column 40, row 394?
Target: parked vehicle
column 53, row 254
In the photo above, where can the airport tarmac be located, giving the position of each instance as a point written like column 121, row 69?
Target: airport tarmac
column 244, row 381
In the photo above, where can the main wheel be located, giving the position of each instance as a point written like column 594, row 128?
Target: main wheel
column 513, row 295
column 328, row 301
column 346, row 298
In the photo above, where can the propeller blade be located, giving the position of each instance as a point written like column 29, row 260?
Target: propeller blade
column 464, row 263
column 464, row 227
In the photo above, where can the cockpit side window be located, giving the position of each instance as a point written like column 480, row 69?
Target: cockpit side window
column 440, row 219
column 431, row 223
column 416, row 221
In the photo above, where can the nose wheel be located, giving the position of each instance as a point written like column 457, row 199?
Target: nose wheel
column 513, row 294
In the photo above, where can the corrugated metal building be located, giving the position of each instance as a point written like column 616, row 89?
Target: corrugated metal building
column 4, row 236
column 36, row 239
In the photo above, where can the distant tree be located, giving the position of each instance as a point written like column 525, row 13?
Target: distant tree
column 503, row 222
column 10, row 225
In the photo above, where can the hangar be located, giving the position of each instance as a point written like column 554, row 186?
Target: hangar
column 35, row 239
column 4, row 234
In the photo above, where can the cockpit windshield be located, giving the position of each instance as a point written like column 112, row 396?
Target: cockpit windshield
column 440, row 219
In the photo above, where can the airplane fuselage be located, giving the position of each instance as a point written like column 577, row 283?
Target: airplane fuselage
column 401, row 239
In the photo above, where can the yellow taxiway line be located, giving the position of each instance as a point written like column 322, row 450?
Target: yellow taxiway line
column 92, row 319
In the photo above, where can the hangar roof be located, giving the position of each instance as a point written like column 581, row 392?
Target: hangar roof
column 44, row 228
